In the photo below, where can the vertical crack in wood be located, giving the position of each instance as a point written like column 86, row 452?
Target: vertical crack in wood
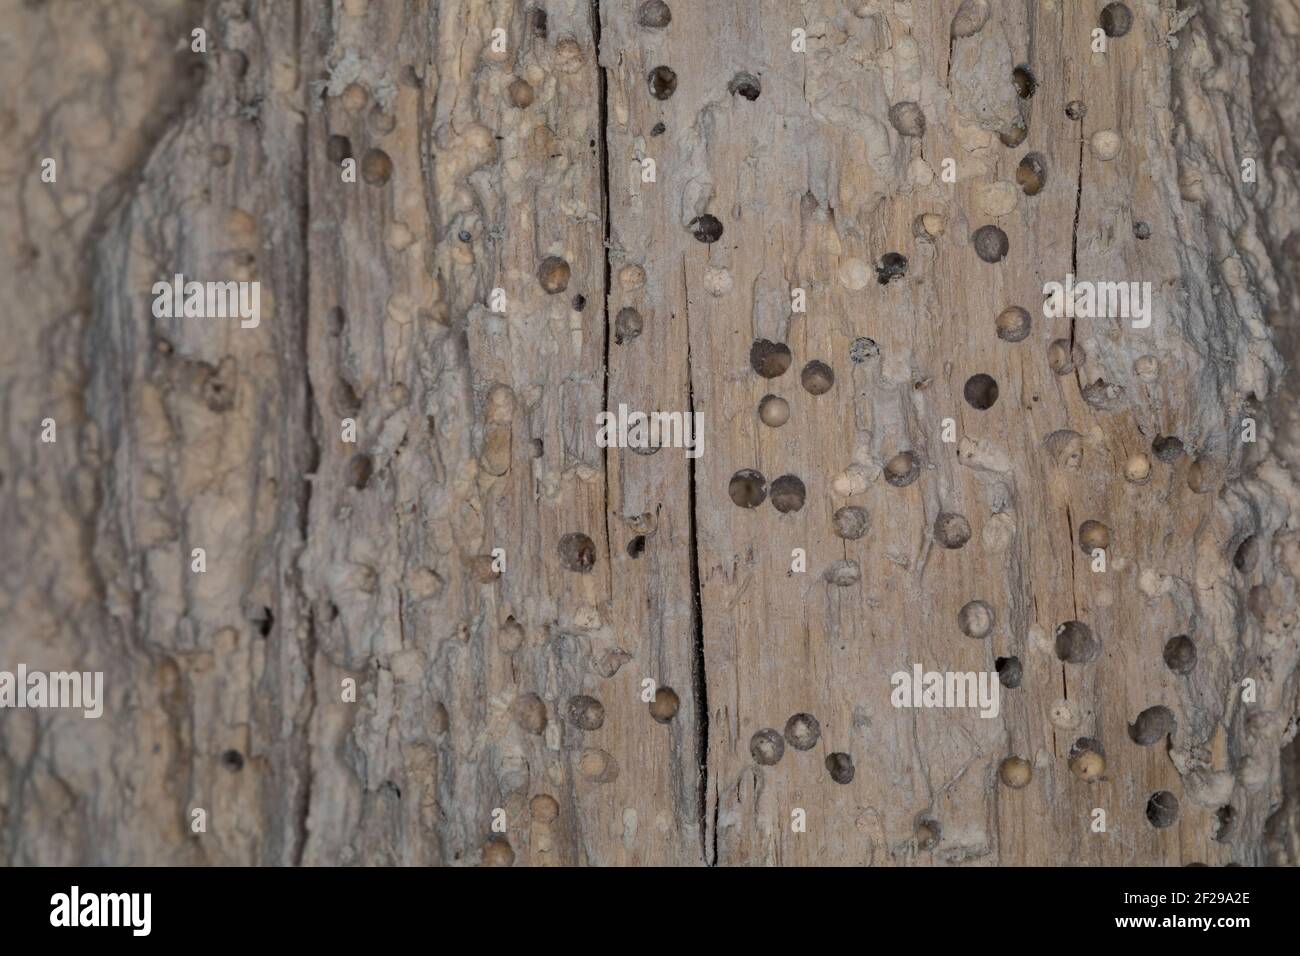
column 602, row 95
column 699, row 673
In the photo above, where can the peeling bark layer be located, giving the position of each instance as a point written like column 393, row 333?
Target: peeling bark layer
column 562, row 207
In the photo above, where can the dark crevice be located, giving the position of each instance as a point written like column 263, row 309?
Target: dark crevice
column 699, row 673
column 602, row 140
column 700, row 676
column 1074, row 248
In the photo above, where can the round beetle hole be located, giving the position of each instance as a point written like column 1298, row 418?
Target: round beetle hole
column 748, row 488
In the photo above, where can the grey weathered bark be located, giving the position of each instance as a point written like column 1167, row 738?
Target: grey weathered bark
column 480, row 156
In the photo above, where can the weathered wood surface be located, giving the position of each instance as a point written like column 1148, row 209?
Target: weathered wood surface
column 476, row 430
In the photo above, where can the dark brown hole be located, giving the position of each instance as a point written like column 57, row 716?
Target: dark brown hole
column 1116, row 19
column 892, row 265
column 817, row 377
column 769, row 359
column 991, row 243
column 1167, row 448
column 1076, row 644
column 1031, row 174
column 1180, row 654
column 627, row 326
column 705, row 228
column 788, row 494
column 1162, row 809
column 553, row 273
column 981, row 391
column 663, row 82
column 802, row 731
column 1152, row 725
column 1025, row 83
column 360, row 468
column 746, row 85
column 748, row 488
column 577, row 552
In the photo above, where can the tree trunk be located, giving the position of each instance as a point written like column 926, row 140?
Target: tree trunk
column 566, row 653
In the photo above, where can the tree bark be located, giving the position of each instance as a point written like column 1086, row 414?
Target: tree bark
column 568, row 654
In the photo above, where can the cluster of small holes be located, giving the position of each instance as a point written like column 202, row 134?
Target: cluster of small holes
column 990, row 243
column 1167, row 448
column 747, row 488
column 1116, row 19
